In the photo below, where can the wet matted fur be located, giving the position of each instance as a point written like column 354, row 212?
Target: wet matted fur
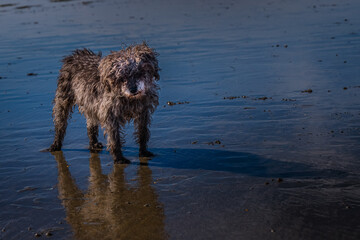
column 109, row 91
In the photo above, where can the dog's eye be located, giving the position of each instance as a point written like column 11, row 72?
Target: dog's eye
column 138, row 75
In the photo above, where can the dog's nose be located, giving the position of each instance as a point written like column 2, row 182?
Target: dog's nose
column 133, row 90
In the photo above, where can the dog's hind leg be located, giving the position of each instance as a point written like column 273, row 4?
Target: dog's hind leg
column 63, row 104
column 61, row 112
column 93, row 133
column 142, row 133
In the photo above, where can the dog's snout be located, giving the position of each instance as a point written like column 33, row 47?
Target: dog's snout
column 133, row 89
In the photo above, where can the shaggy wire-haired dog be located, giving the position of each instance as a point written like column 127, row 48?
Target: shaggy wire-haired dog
column 109, row 91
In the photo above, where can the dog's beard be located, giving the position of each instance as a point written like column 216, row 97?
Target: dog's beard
column 141, row 90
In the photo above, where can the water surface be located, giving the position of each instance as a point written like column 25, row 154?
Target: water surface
column 253, row 154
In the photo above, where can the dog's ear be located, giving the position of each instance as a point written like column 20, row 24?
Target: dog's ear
column 149, row 56
column 106, row 75
column 151, row 67
column 106, row 72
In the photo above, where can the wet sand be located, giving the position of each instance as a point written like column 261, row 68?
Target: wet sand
column 257, row 134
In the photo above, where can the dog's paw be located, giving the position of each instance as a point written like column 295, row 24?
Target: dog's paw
column 122, row 160
column 146, row 153
column 52, row 148
column 97, row 147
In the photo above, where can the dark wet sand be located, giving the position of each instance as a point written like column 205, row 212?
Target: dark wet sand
column 257, row 134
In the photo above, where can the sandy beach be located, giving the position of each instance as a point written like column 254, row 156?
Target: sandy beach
column 257, row 135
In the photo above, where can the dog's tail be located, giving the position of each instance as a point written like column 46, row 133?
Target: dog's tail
column 73, row 64
column 64, row 90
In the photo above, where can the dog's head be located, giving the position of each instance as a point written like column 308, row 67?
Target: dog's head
column 132, row 72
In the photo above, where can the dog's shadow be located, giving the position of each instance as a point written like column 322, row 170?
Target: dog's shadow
column 238, row 162
column 110, row 208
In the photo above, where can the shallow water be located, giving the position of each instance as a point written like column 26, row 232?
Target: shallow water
column 250, row 156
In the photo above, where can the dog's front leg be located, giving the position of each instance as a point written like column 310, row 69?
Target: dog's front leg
column 142, row 133
column 93, row 133
column 112, row 130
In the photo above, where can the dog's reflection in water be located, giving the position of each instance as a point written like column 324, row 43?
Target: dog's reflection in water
column 111, row 209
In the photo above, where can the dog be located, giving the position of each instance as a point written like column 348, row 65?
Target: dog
column 109, row 91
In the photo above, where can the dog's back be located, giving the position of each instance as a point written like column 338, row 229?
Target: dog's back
column 78, row 73
column 81, row 64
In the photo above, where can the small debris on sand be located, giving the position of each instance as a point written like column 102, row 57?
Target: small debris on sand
column 7, row 5
column 232, row 97
column 32, row 74
column 213, row 143
column 86, row 2
column 27, row 188
column 307, row 91
column 60, row 0
column 261, row 98
column 288, row 100
column 235, row 97
column 170, row 103
column 27, row 7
